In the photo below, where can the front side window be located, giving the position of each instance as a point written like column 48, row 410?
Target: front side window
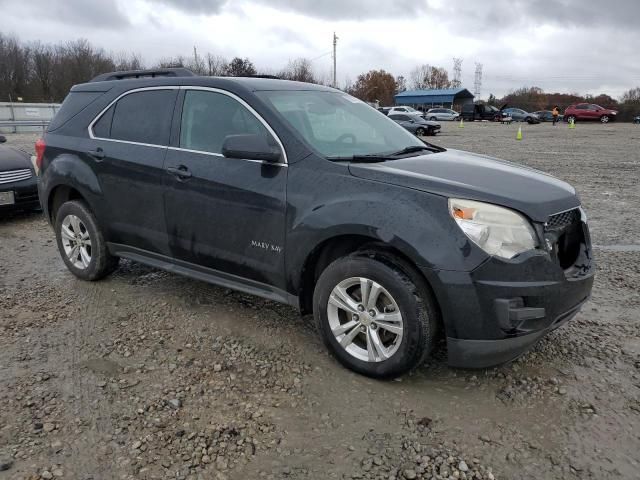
column 337, row 124
column 141, row 117
column 208, row 117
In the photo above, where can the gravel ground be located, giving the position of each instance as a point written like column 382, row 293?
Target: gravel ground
column 148, row 375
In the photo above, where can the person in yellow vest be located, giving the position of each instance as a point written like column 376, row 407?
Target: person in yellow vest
column 555, row 112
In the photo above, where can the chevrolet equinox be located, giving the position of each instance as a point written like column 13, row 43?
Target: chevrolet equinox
column 305, row 195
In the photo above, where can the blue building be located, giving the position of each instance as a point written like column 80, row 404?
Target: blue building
column 425, row 99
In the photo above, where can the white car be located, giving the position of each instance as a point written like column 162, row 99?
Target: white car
column 402, row 111
column 441, row 114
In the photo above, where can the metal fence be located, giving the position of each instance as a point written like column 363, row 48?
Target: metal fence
column 18, row 117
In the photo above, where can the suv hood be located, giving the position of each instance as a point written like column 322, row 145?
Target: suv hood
column 13, row 159
column 459, row 174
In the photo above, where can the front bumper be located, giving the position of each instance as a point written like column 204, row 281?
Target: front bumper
column 496, row 312
column 25, row 195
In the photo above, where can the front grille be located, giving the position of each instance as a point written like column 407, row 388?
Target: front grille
column 15, row 175
column 561, row 220
column 565, row 236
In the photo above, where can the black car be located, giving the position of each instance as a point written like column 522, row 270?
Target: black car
column 18, row 182
column 480, row 111
column 415, row 124
column 305, row 195
column 636, row 119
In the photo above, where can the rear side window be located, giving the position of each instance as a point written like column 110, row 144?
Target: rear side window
column 208, row 117
column 73, row 104
column 102, row 128
column 142, row 117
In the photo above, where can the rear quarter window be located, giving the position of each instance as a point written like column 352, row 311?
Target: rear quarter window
column 73, row 104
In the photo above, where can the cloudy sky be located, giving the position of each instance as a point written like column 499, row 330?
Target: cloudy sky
column 585, row 46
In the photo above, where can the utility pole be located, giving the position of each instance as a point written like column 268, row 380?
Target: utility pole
column 335, row 42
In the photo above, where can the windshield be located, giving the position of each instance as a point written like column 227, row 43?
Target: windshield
column 339, row 125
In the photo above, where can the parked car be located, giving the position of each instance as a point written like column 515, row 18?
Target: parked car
column 519, row 115
column 589, row 111
column 416, row 125
column 636, row 119
column 546, row 115
column 434, row 114
column 18, row 182
column 479, row 111
column 305, row 195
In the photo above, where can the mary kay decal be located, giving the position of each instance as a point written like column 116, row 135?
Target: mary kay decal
column 266, row 246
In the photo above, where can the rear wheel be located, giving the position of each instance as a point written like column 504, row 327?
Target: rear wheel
column 433, row 119
column 604, row 119
column 373, row 317
column 81, row 243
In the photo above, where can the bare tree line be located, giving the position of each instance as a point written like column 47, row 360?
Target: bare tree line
column 38, row 72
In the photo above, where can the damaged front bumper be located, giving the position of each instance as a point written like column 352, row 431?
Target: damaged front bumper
column 498, row 311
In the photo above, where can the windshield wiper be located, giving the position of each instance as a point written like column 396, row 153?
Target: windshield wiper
column 418, row 148
column 371, row 158
column 381, row 157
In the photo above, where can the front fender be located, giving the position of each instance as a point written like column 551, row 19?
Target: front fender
column 414, row 222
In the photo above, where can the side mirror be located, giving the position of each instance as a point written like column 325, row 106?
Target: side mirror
column 250, row 146
column 3, row 139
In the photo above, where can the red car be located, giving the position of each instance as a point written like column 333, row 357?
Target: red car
column 589, row 111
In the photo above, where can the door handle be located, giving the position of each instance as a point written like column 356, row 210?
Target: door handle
column 97, row 154
column 181, row 172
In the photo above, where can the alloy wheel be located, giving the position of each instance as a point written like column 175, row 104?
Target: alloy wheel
column 420, row 132
column 76, row 241
column 604, row 119
column 365, row 319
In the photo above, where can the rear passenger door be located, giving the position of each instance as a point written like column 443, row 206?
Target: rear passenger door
column 225, row 214
column 127, row 151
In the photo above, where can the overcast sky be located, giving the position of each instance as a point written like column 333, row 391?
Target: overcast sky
column 584, row 46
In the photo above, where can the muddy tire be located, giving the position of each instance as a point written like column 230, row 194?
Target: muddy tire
column 374, row 318
column 81, row 243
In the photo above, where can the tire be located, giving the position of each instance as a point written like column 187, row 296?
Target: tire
column 91, row 260
column 420, row 132
column 433, row 119
column 571, row 118
column 402, row 297
column 604, row 119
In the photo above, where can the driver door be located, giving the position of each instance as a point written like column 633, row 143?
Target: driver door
column 225, row 214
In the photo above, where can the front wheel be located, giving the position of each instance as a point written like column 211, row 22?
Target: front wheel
column 571, row 119
column 433, row 119
column 604, row 119
column 376, row 319
column 420, row 132
column 81, row 243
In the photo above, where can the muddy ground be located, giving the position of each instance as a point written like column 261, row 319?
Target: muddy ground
column 150, row 375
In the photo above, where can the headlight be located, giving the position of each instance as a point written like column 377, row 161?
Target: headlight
column 497, row 230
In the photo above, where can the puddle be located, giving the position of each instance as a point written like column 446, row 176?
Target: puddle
column 618, row 248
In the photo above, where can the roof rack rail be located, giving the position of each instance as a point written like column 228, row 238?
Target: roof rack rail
column 155, row 72
column 263, row 75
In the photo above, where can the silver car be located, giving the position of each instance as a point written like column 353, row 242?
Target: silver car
column 441, row 114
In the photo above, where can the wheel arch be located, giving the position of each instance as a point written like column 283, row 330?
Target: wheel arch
column 338, row 246
column 59, row 195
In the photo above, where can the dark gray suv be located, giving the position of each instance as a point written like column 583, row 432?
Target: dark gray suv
column 305, row 195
